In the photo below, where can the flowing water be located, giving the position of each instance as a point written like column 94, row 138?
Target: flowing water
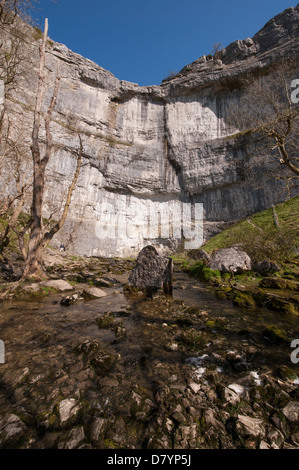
column 41, row 337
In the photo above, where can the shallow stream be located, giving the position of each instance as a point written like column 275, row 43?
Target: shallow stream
column 41, row 337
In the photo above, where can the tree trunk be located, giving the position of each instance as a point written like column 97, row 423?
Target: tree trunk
column 33, row 265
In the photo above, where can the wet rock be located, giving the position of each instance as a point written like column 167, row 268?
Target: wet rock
column 16, row 378
column 120, row 332
column 244, row 299
column 109, row 382
column 282, row 305
column 194, row 387
column 171, row 346
column 231, row 397
column 104, row 282
column 211, row 421
column 278, row 283
column 74, row 439
column 238, row 389
column 90, row 293
column 186, row 437
column 275, row 335
column 250, row 427
column 264, row 445
column 265, row 267
column 70, row 299
column 87, row 346
column 285, row 373
column 275, row 437
column 229, row 260
column 106, row 321
column 159, row 440
column 68, row 411
column 151, row 273
column 199, row 255
column 97, row 430
column 291, row 411
column 58, row 284
column 102, row 362
column 192, row 339
column 13, row 432
column 237, row 362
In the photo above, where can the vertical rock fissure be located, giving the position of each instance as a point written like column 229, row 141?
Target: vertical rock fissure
column 169, row 154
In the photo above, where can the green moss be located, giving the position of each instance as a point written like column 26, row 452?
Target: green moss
column 281, row 305
column 219, row 322
column 278, row 283
column 244, row 299
column 285, row 373
column 192, row 339
column 102, row 362
column 105, row 322
column 260, row 297
column 109, row 444
column 203, row 273
column 275, row 334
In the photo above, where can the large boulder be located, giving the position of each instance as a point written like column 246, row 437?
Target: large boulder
column 199, row 255
column 265, row 267
column 229, row 260
column 151, row 272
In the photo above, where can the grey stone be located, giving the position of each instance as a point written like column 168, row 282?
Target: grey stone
column 264, row 267
column 12, row 431
column 230, row 260
column 211, row 421
column 74, row 439
column 93, row 293
column 291, row 411
column 58, row 284
column 98, row 427
column 199, row 255
column 250, row 427
column 152, row 272
column 68, row 411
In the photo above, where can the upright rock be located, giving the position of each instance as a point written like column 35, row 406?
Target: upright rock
column 151, row 273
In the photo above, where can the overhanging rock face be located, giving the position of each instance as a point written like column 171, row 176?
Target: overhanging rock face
column 158, row 160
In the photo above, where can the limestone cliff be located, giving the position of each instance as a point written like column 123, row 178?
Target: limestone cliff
column 151, row 154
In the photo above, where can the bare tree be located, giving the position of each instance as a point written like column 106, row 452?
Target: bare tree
column 217, row 46
column 38, row 238
column 10, row 9
column 13, row 146
column 267, row 112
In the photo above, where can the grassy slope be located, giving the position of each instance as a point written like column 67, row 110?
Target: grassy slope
column 263, row 229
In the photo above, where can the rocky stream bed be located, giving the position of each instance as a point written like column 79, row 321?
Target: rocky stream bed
column 187, row 371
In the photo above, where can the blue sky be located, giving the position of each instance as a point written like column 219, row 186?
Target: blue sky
column 143, row 42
